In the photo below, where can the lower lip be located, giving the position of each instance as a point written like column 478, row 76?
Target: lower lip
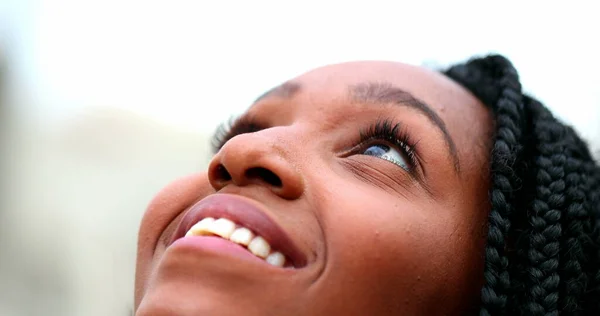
column 215, row 245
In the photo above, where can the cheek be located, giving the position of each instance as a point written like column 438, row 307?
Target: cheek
column 158, row 221
column 402, row 254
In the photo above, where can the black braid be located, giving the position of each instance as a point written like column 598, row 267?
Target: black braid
column 592, row 301
column 500, row 86
column 545, row 213
column 574, row 222
column 543, row 247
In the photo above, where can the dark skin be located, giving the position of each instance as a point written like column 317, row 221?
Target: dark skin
column 380, row 237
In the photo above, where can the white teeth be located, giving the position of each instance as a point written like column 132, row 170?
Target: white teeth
column 276, row 258
column 222, row 227
column 226, row 228
column 201, row 228
column 259, row 247
column 242, row 236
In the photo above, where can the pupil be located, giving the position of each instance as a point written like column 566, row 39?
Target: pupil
column 376, row 150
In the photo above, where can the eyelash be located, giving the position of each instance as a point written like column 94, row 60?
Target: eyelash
column 392, row 134
column 381, row 130
column 233, row 127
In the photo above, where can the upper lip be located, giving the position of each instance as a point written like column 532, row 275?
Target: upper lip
column 245, row 213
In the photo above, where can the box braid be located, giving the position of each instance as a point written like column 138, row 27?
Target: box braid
column 542, row 255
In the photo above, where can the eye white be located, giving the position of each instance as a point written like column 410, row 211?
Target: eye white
column 388, row 153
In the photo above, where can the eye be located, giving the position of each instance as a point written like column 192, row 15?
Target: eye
column 390, row 154
column 227, row 130
column 387, row 140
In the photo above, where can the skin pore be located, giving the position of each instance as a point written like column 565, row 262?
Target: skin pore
column 387, row 225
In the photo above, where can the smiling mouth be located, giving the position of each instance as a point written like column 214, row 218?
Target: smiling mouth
column 235, row 224
column 238, row 234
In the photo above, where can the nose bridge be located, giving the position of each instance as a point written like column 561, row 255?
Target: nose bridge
column 260, row 158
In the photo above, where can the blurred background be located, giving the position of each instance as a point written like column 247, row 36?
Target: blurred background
column 104, row 102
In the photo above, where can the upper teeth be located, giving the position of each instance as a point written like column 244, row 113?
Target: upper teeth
column 227, row 229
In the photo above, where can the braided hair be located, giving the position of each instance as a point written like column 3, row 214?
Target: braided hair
column 542, row 255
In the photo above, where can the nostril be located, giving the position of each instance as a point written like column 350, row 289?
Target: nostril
column 222, row 174
column 265, row 175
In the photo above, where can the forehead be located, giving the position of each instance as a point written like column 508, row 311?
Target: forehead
column 442, row 94
column 467, row 120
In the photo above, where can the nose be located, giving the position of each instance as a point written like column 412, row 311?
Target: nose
column 256, row 159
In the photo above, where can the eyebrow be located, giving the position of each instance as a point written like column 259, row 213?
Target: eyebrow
column 287, row 90
column 386, row 93
column 378, row 93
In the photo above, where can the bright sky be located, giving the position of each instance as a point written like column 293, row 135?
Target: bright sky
column 194, row 63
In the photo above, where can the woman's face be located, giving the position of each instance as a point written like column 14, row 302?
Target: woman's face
column 370, row 178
